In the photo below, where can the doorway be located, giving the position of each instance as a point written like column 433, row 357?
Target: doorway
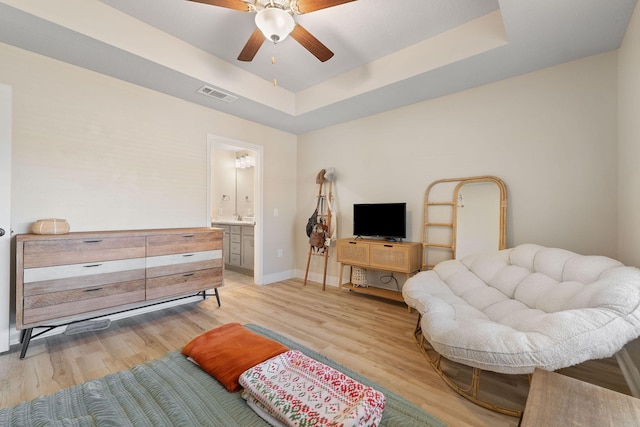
column 234, row 202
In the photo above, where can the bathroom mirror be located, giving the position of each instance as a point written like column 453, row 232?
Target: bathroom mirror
column 232, row 183
column 463, row 216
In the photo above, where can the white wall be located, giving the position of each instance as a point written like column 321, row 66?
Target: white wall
column 106, row 154
column 550, row 135
column 629, row 143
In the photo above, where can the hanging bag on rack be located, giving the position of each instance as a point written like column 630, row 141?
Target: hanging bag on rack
column 318, row 235
column 313, row 220
column 319, row 232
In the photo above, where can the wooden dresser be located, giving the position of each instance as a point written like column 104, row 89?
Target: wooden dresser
column 381, row 255
column 61, row 279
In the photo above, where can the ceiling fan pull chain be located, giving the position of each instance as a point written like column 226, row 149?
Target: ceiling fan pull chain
column 273, row 61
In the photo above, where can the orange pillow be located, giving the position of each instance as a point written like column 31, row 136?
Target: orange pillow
column 228, row 351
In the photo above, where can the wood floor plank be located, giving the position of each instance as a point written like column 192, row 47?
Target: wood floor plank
column 367, row 334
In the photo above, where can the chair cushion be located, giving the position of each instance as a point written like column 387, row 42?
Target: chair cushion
column 514, row 310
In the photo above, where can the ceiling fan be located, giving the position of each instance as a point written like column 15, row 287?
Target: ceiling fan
column 274, row 19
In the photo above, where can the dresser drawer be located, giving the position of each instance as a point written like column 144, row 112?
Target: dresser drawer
column 165, row 244
column 97, row 269
column 165, row 265
column 43, row 253
column 179, row 284
column 53, row 285
column 55, row 306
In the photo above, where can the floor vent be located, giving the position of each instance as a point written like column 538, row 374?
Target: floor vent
column 217, row 94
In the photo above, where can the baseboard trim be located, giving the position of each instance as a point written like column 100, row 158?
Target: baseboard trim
column 317, row 278
column 629, row 371
column 277, row 277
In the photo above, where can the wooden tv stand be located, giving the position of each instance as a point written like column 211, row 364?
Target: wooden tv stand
column 379, row 255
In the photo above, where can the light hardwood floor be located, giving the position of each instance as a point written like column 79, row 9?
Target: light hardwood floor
column 367, row 334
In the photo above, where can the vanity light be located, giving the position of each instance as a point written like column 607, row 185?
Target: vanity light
column 245, row 161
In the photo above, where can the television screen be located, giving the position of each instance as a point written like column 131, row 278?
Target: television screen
column 384, row 220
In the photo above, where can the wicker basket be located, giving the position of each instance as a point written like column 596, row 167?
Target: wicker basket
column 359, row 277
column 50, row 226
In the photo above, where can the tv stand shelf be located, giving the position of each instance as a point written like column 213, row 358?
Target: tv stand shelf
column 377, row 292
column 379, row 255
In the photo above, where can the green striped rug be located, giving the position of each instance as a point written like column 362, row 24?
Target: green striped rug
column 171, row 391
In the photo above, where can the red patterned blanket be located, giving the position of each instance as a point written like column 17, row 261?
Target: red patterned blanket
column 295, row 390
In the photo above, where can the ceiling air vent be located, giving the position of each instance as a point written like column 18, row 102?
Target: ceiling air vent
column 217, row 94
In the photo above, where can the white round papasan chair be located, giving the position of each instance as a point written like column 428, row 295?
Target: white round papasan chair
column 527, row 307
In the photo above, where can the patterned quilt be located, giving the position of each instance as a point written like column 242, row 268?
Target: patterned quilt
column 296, row 390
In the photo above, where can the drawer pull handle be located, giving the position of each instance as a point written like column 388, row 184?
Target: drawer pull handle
column 388, row 246
column 92, row 241
column 92, row 265
column 188, row 255
column 353, row 243
column 92, row 290
column 188, row 236
column 188, row 274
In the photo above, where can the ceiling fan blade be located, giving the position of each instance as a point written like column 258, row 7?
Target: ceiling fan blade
column 312, row 44
column 229, row 4
column 251, row 48
column 306, row 6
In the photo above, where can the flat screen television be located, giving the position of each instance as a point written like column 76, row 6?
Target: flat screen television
column 382, row 220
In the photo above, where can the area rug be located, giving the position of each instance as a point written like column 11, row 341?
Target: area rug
column 172, row 391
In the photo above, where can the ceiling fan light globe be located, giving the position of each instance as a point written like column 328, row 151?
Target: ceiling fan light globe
column 276, row 24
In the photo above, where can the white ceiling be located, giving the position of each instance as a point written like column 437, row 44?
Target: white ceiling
column 387, row 53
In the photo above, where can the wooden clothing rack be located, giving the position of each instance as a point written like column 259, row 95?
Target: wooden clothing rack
column 324, row 199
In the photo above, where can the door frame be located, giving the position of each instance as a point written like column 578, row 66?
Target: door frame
column 5, row 215
column 258, row 180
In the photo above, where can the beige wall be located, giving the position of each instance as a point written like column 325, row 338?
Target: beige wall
column 551, row 135
column 105, row 154
column 629, row 170
column 629, row 142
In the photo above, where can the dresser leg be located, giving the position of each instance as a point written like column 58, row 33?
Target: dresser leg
column 215, row 293
column 25, row 338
